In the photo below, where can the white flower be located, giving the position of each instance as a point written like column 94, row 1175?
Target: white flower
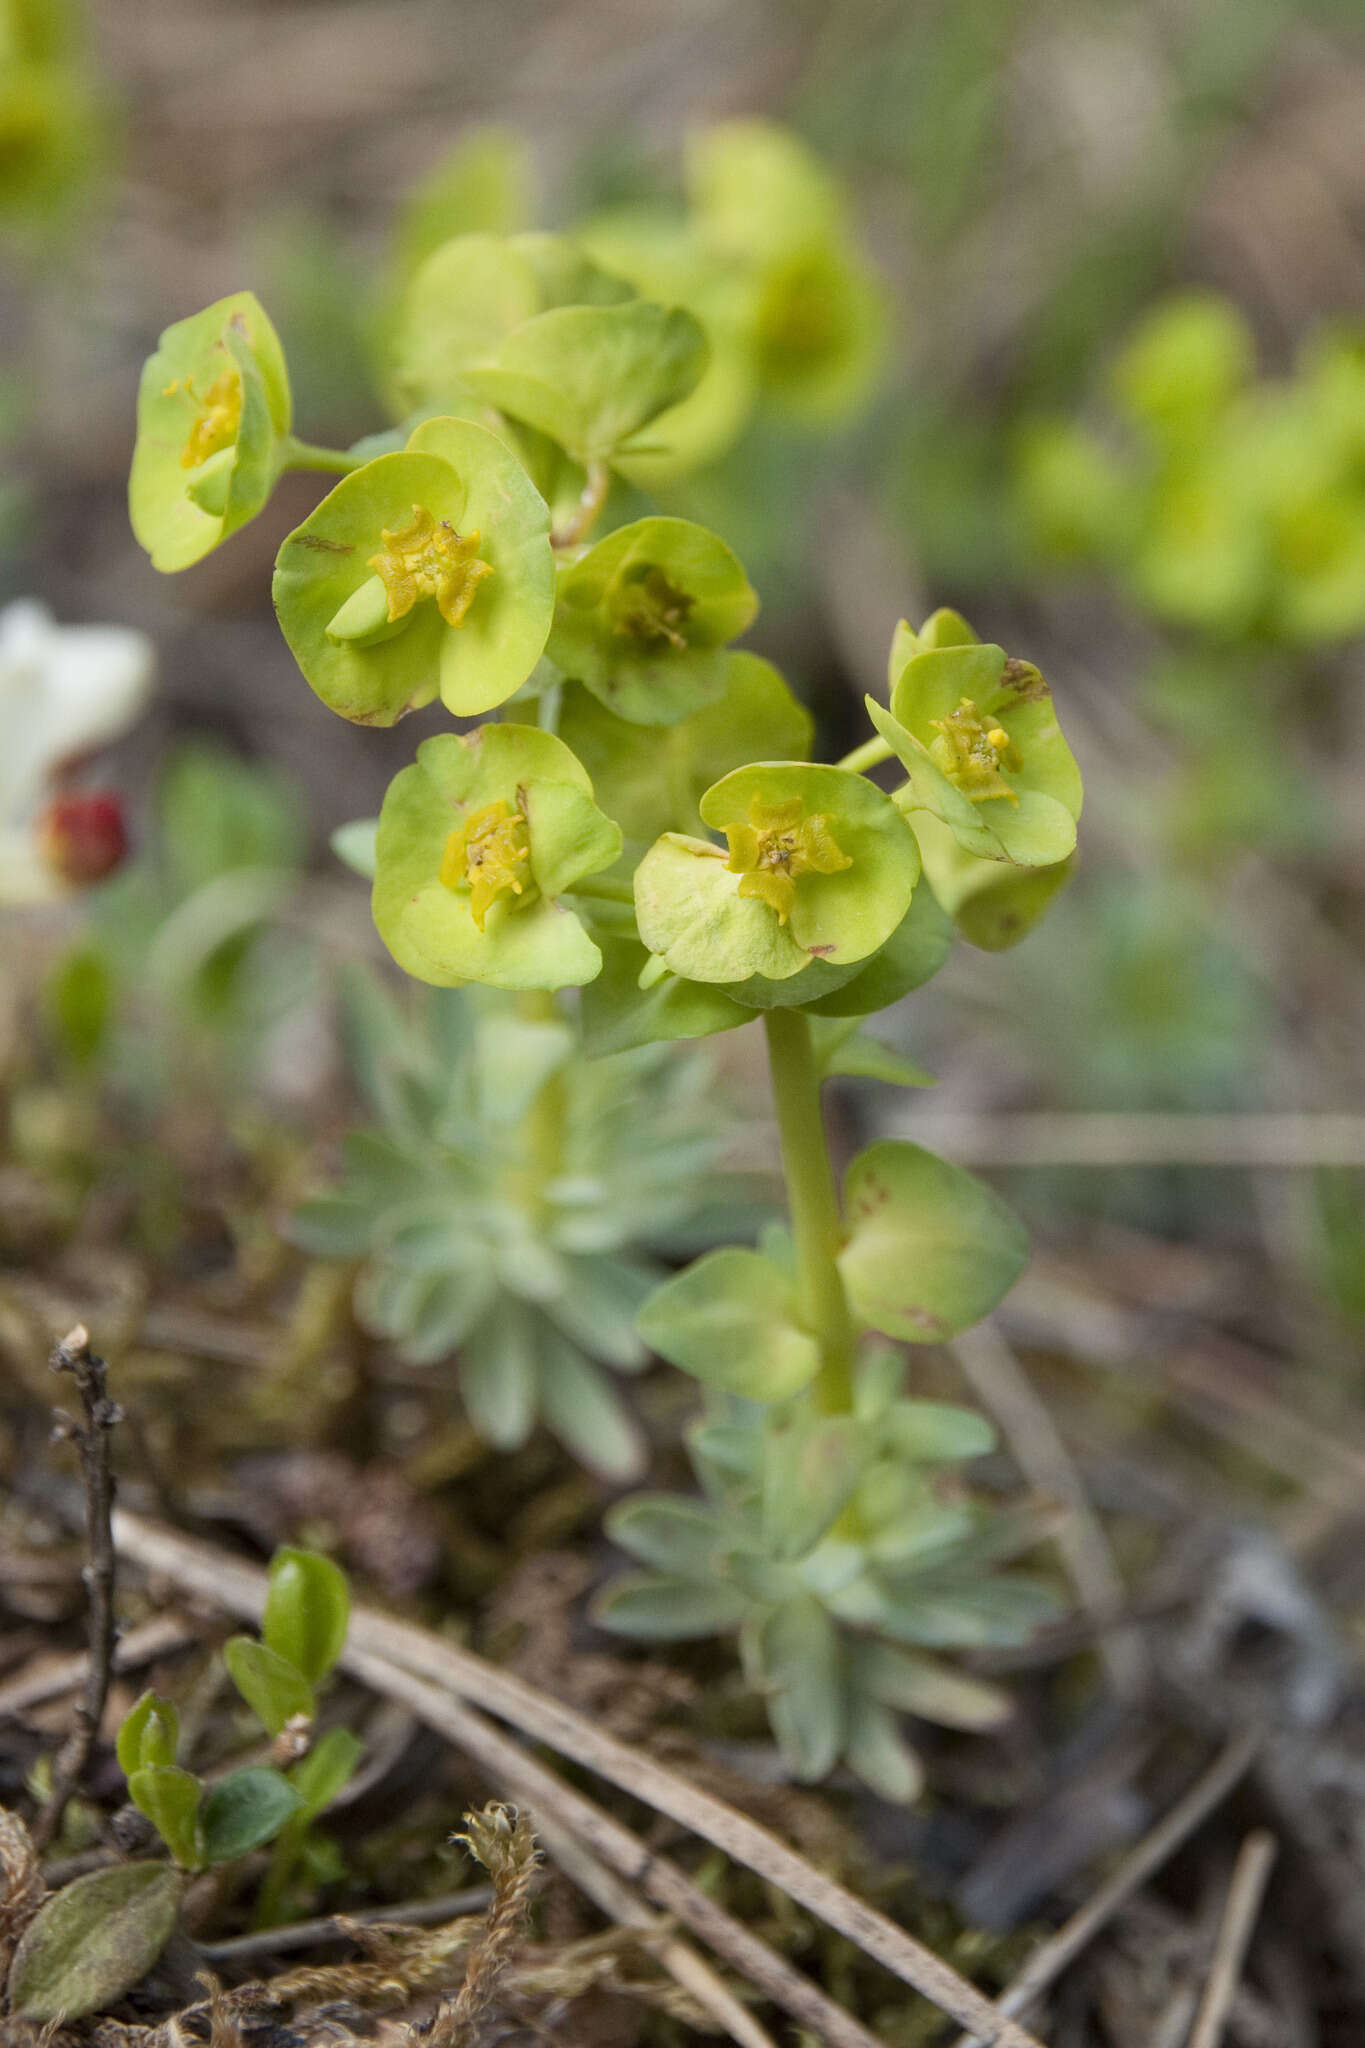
column 64, row 692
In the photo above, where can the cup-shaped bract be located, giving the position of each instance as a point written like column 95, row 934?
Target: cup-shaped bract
column 978, row 736
column 425, row 571
column 591, row 376
column 820, row 871
column 657, row 785
column 643, row 618
column 992, row 903
column 476, row 842
column 213, row 421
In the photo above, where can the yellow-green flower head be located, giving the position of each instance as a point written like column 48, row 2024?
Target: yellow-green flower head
column 477, row 841
column 214, row 415
column 425, row 571
column 642, row 619
column 978, row 737
column 817, row 873
column 775, row 846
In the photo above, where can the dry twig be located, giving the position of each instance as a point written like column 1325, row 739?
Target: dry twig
column 74, row 1355
column 378, row 1644
column 1155, row 1848
column 1249, row 1878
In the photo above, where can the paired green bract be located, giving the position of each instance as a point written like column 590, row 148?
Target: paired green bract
column 213, row 422
column 424, row 572
column 525, row 805
column 830, row 867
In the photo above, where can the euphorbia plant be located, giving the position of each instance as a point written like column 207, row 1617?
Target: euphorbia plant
column 703, row 873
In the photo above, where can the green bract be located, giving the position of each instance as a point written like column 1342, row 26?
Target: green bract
column 731, row 1321
column 213, row 421
column 424, row 571
column 649, row 784
column 470, row 294
column 821, row 871
column 476, row 841
column 643, row 617
column 592, row 376
column 978, row 737
column 992, row 905
column 930, row 1248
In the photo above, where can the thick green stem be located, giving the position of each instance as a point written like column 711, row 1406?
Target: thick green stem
column 816, row 1224
column 870, row 754
column 307, row 455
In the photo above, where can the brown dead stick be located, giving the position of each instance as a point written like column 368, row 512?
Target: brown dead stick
column 73, row 1355
column 1155, row 1848
column 210, row 1573
column 1249, row 1878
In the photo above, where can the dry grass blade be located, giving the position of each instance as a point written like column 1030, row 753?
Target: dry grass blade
column 1250, row 1875
column 377, row 1642
column 144, row 1645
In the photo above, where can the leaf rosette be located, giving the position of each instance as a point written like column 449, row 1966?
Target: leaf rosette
column 977, row 734
column 425, row 571
column 643, row 619
column 476, row 842
column 820, row 871
column 213, row 422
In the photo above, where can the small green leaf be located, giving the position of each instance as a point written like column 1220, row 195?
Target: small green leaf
column 992, row 905
column 148, row 1734
column 840, row 1048
column 92, row 1941
column 245, row 1810
column 170, row 1799
column 811, row 1467
column 274, row 1689
column 730, row 1319
column 307, row 1610
column 801, row 1666
column 879, row 1753
column 911, row 956
column 919, row 1685
column 669, row 1610
column 931, row 1249
column 672, row 1532
column 327, row 1770
column 619, row 1014
column 931, row 1432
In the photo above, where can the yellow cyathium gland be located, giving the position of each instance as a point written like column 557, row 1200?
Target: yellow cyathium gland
column 653, row 611
column 779, row 845
column 218, row 415
column 490, row 855
column 428, row 558
column 972, row 751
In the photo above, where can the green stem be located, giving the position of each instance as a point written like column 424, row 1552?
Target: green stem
column 307, row 455
column 869, row 755
column 816, row 1223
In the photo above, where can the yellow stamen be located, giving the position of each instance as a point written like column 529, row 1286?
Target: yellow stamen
column 776, row 847
column 428, row 558
column 972, row 753
column 490, row 855
column 218, row 415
